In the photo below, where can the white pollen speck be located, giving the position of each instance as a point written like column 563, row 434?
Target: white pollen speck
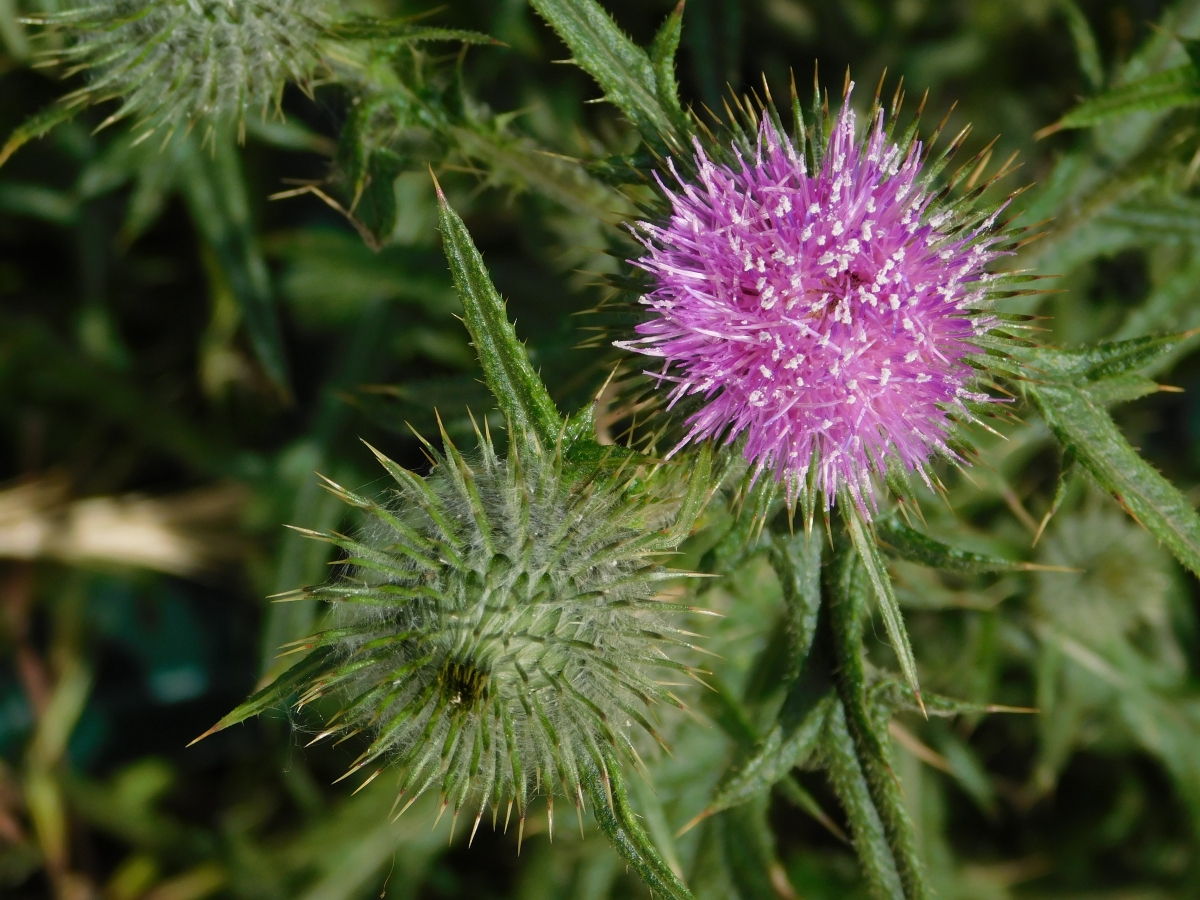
column 813, row 209
column 924, row 377
column 894, row 301
column 838, row 228
column 820, row 240
column 767, row 373
column 910, row 356
column 827, row 423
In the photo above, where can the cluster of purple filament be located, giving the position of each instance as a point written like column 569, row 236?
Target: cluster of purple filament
column 824, row 316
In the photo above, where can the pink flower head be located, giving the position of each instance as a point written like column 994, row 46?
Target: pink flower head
column 826, row 317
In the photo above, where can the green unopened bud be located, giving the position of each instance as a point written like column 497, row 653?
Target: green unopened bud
column 497, row 634
column 176, row 63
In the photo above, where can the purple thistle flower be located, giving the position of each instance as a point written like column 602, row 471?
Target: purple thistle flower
column 827, row 317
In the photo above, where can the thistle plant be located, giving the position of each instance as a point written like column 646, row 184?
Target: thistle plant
column 819, row 313
column 499, row 632
column 828, row 319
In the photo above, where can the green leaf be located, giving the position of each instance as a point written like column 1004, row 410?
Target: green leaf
column 42, row 369
column 797, row 728
column 847, row 598
column 39, row 202
column 700, row 489
column 1106, row 360
column 1148, row 220
column 1089, row 433
column 36, row 126
column 622, row 69
column 885, row 595
column 1120, row 389
column 846, row 776
column 662, row 58
column 1154, row 93
column 909, row 544
column 215, row 190
column 797, row 563
column 518, row 388
column 403, row 31
column 749, row 846
column 275, row 692
column 781, row 751
column 1085, row 45
column 610, row 806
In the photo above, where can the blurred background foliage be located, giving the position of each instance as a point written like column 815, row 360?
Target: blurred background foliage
column 188, row 332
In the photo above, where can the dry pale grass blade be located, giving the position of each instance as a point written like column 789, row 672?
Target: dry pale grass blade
column 182, row 534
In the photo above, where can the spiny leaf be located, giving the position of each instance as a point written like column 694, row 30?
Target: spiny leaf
column 610, row 806
column 1154, row 93
column 1089, row 433
column 847, row 589
column 910, row 544
column 404, row 31
column 1121, row 389
column 866, row 828
column 662, row 58
column 776, row 756
column 518, row 388
column 797, row 563
column 621, row 68
column 1110, row 359
column 885, row 595
column 36, row 126
column 277, row 691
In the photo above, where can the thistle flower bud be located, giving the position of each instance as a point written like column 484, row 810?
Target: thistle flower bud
column 497, row 634
column 174, row 63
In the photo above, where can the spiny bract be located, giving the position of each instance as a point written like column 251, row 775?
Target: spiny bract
column 497, row 634
column 827, row 317
column 173, row 63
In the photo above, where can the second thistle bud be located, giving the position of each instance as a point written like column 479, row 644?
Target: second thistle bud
column 498, row 635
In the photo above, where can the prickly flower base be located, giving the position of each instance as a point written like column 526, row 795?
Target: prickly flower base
column 176, row 62
column 497, row 635
column 827, row 317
